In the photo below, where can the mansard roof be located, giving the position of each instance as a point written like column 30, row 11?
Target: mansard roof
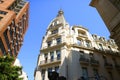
column 59, row 19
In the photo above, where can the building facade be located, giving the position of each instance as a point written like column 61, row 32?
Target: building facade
column 13, row 25
column 109, row 10
column 23, row 73
column 74, row 53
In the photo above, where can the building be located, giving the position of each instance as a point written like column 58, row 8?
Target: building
column 23, row 74
column 109, row 10
column 74, row 53
column 13, row 25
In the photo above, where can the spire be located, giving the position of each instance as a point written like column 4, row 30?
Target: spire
column 60, row 12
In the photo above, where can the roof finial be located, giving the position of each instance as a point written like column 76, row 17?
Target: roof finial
column 60, row 12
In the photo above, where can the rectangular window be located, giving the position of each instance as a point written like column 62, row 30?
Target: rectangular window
column 91, row 56
column 46, row 57
column 96, row 74
column 101, row 47
column 51, row 56
column 88, row 44
column 49, row 43
column 58, row 40
column 43, row 74
column 57, row 69
column 79, row 42
column 58, row 52
column 85, row 73
column 110, row 75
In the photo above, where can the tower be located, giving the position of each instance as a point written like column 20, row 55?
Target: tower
column 13, row 25
column 109, row 10
column 74, row 53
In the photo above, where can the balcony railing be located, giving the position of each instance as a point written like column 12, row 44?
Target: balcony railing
column 108, row 65
column 50, row 60
column 84, row 60
column 94, row 62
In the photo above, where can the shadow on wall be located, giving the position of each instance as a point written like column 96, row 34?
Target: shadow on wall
column 62, row 72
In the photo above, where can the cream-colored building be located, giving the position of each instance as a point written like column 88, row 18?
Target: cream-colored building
column 109, row 11
column 23, row 73
column 74, row 53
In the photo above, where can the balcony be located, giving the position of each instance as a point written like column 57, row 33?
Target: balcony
column 117, row 66
column 50, row 61
column 108, row 65
column 94, row 62
column 84, row 60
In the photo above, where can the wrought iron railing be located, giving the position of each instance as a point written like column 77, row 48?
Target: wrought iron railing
column 83, row 60
column 50, row 60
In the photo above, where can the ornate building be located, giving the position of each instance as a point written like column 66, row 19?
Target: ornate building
column 23, row 73
column 109, row 10
column 74, row 53
column 13, row 25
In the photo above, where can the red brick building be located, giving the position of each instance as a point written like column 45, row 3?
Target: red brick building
column 14, row 16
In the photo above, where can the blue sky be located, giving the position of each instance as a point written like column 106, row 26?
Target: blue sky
column 76, row 12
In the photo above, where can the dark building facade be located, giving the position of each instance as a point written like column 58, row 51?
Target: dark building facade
column 109, row 10
column 14, row 15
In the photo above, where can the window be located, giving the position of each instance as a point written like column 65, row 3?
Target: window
column 81, row 33
column 49, row 43
column 82, row 55
column 96, row 74
column 58, row 52
column 52, row 56
column 55, row 23
column 43, row 74
column 109, row 48
column 114, row 60
column 49, row 69
column 91, row 56
column 46, row 57
column 100, row 46
column 110, row 75
column 85, row 73
column 105, row 59
column 2, row 48
column 79, row 42
column 55, row 31
column 57, row 69
column 88, row 44
column 94, row 36
column 58, row 40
